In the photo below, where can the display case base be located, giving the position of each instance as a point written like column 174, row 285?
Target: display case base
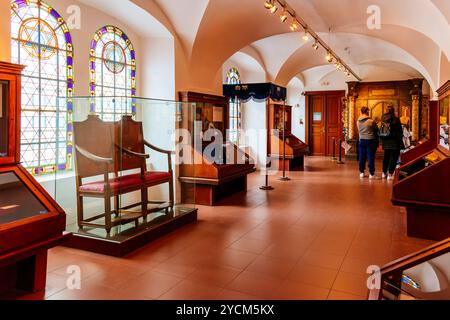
column 426, row 223
column 24, row 271
column 293, row 164
column 125, row 239
column 208, row 192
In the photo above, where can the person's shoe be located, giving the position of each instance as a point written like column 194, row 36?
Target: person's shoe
column 391, row 177
column 372, row 177
column 361, row 175
column 383, row 176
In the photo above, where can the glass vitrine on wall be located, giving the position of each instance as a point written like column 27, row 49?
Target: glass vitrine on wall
column 444, row 122
column 4, row 128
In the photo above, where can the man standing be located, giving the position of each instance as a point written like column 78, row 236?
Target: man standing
column 368, row 142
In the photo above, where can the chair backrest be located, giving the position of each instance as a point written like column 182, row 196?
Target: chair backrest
column 129, row 134
column 96, row 137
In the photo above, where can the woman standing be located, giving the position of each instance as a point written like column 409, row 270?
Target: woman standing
column 368, row 142
column 391, row 135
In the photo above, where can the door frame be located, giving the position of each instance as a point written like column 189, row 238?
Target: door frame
column 308, row 106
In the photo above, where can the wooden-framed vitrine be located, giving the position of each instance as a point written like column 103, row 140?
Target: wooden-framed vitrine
column 217, row 174
column 423, row 185
column 31, row 222
column 285, row 149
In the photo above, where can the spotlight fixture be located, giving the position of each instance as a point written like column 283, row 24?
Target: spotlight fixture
column 287, row 12
column 294, row 26
column 315, row 45
column 305, row 36
column 273, row 9
column 268, row 4
column 284, row 16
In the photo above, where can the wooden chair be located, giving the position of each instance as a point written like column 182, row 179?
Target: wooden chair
column 114, row 149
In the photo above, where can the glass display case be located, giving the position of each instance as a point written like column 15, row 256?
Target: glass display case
column 284, row 148
column 30, row 220
column 444, row 122
column 220, row 168
column 121, row 186
column 430, row 140
column 423, row 275
column 4, row 127
column 422, row 184
column 17, row 202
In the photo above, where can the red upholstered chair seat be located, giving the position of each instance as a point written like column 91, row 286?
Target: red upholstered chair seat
column 132, row 181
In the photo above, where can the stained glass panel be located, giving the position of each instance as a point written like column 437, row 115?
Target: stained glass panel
column 113, row 71
column 41, row 41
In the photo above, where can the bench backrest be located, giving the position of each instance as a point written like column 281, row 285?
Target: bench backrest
column 104, row 139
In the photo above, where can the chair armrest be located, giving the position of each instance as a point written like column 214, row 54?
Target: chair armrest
column 155, row 148
column 93, row 157
column 133, row 154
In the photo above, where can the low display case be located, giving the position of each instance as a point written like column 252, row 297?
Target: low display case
column 428, row 144
column 423, row 185
column 30, row 220
column 216, row 175
column 285, row 149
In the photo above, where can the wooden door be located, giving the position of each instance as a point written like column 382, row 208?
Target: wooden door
column 325, row 127
column 317, row 125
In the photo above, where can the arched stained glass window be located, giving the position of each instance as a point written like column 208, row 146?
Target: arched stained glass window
column 233, row 77
column 42, row 42
column 113, row 73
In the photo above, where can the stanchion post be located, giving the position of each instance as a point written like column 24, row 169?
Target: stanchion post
column 267, row 187
column 340, row 153
column 334, row 150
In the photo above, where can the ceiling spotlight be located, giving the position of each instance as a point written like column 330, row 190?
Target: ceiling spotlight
column 268, row 4
column 273, row 9
column 315, row 45
column 305, row 36
column 329, row 57
column 284, row 16
column 294, row 26
column 338, row 65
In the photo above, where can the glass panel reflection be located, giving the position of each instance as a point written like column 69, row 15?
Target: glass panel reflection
column 16, row 201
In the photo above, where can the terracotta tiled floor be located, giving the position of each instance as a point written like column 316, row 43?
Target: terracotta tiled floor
column 310, row 238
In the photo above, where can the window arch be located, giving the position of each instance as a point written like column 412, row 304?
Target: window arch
column 233, row 77
column 41, row 40
column 113, row 73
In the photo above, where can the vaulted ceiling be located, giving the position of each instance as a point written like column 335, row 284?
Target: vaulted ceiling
column 412, row 42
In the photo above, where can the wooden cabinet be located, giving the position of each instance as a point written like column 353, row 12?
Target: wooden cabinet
column 282, row 141
column 30, row 220
column 423, row 185
column 213, row 173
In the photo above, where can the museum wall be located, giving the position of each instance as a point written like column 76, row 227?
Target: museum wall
column 296, row 99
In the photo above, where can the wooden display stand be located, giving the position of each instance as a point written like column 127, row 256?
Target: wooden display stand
column 296, row 150
column 211, row 178
column 422, row 185
column 30, row 220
